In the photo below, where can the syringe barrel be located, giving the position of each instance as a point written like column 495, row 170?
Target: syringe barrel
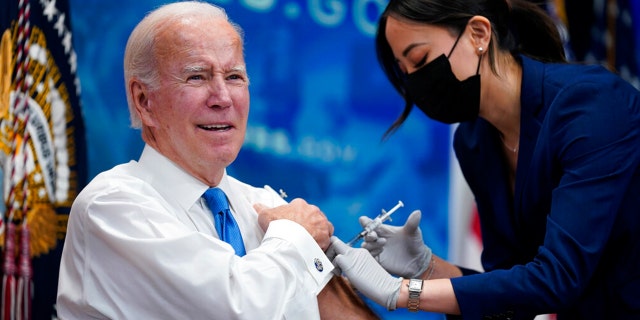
column 373, row 224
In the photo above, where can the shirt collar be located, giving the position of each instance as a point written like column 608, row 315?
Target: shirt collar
column 174, row 183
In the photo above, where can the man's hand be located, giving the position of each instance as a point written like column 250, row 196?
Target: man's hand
column 364, row 272
column 400, row 250
column 307, row 215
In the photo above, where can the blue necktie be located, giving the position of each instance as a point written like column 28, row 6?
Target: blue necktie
column 225, row 223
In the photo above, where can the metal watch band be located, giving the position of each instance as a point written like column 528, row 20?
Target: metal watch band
column 415, row 288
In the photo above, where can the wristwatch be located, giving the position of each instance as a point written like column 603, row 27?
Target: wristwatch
column 415, row 288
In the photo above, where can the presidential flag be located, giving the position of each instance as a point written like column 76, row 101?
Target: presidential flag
column 42, row 151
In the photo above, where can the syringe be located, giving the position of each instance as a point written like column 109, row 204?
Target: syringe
column 375, row 223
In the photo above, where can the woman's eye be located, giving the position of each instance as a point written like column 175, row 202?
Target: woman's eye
column 421, row 62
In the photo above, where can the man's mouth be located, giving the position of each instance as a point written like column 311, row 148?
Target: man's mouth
column 220, row 127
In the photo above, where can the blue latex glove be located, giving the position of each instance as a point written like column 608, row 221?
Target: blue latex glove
column 364, row 272
column 400, row 250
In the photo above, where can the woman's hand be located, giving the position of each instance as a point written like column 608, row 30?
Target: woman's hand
column 364, row 272
column 400, row 250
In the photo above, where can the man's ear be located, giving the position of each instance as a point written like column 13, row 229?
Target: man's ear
column 140, row 97
column 480, row 31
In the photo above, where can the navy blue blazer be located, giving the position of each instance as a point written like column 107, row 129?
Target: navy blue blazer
column 568, row 241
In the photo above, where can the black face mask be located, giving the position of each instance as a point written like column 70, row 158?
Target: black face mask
column 440, row 95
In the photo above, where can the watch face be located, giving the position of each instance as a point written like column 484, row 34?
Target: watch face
column 415, row 285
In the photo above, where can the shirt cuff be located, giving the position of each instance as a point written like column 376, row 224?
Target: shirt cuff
column 318, row 265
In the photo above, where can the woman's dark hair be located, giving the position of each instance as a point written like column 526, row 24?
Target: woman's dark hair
column 518, row 26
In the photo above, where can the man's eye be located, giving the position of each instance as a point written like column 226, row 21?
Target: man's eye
column 236, row 77
column 195, row 77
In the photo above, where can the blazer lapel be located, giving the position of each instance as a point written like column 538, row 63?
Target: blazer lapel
column 531, row 115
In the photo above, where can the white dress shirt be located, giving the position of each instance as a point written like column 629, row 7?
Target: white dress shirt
column 141, row 244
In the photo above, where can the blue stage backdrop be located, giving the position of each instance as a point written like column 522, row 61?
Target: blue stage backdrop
column 319, row 107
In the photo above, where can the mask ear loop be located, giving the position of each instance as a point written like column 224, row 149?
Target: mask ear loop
column 455, row 44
